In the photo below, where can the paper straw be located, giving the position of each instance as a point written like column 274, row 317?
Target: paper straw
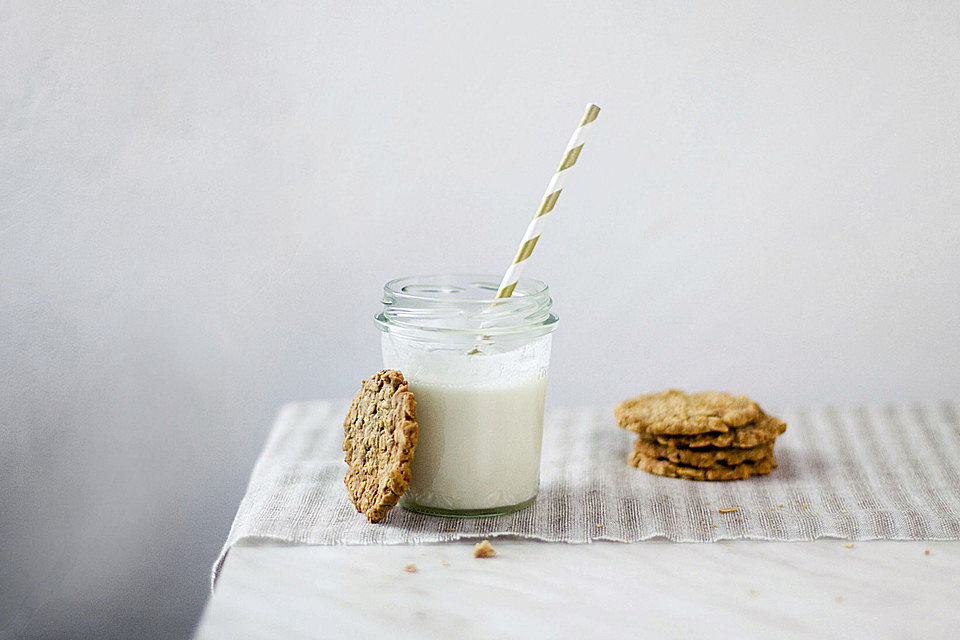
column 549, row 201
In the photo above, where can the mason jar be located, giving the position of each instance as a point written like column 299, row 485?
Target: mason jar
column 477, row 367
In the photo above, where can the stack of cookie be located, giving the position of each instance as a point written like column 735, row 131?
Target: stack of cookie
column 700, row 436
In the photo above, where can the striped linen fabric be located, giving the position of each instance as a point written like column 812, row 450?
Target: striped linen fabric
column 888, row 471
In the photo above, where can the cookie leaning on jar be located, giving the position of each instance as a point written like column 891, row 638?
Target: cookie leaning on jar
column 709, row 435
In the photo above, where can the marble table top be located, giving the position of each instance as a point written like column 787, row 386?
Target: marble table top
column 737, row 589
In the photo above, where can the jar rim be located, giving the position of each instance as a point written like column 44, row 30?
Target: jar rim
column 448, row 306
column 526, row 287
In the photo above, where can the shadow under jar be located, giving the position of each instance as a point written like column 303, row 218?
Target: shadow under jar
column 478, row 369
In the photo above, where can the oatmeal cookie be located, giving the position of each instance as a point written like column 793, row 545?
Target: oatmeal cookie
column 763, row 431
column 379, row 438
column 674, row 412
column 702, row 457
column 661, row 467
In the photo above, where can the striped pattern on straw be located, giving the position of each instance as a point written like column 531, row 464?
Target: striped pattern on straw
column 547, row 203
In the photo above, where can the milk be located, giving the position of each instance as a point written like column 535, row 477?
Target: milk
column 479, row 443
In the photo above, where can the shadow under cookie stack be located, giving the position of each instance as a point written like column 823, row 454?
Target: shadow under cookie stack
column 700, row 436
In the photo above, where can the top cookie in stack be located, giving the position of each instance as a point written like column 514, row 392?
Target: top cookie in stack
column 700, row 436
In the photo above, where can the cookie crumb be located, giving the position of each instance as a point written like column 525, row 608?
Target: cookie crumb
column 752, row 592
column 484, row 550
column 926, row 552
column 780, row 505
column 843, row 511
column 728, row 509
column 848, row 545
column 708, row 502
column 449, row 529
column 600, row 526
column 444, row 563
column 806, row 506
column 773, row 508
column 410, row 568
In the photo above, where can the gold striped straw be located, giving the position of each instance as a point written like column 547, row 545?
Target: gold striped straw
column 549, row 201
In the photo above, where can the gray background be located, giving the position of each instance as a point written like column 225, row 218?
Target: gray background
column 199, row 203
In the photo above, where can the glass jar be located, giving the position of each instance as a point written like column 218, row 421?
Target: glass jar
column 478, row 368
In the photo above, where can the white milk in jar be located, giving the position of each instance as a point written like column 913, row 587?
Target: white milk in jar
column 478, row 371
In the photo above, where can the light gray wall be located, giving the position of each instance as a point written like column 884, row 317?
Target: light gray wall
column 199, row 203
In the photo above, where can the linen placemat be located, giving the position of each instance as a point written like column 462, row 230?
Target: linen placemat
column 880, row 471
